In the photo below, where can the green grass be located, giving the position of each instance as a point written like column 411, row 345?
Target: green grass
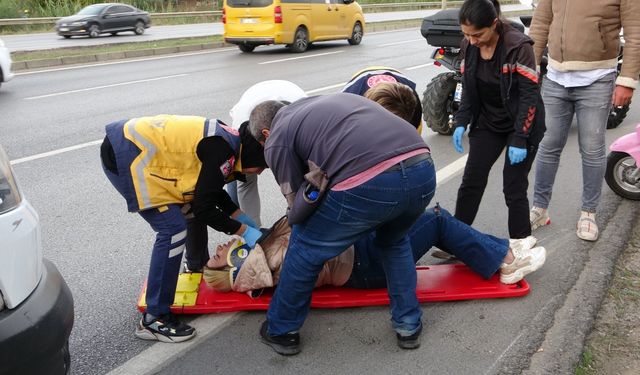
column 123, row 47
column 586, row 362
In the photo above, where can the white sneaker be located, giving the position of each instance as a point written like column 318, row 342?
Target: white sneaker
column 587, row 227
column 523, row 243
column 538, row 217
column 525, row 262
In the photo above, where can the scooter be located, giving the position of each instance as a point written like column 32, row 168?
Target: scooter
column 622, row 174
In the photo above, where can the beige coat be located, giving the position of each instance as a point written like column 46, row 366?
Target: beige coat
column 584, row 35
column 262, row 267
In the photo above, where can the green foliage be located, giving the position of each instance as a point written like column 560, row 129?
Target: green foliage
column 585, row 366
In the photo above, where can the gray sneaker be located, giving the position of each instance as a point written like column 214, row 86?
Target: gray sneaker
column 525, row 262
column 538, row 217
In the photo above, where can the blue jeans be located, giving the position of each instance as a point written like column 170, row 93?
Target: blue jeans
column 389, row 204
column 483, row 253
column 591, row 105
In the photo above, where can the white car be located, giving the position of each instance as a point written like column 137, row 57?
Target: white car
column 5, row 63
column 36, row 306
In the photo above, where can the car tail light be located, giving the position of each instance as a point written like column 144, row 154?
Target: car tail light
column 437, row 63
column 441, row 51
column 224, row 15
column 9, row 195
column 277, row 14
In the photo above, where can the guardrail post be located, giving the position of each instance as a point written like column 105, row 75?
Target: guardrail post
column 444, row 4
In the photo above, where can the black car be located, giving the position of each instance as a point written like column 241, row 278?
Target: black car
column 97, row 19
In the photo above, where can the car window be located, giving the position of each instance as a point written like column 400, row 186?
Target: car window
column 249, row 3
column 122, row 9
column 111, row 10
column 91, row 10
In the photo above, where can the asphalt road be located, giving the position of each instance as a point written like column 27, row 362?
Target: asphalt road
column 50, row 40
column 51, row 125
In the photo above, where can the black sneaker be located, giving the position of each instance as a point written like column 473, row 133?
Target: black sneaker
column 165, row 328
column 287, row 344
column 410, row 342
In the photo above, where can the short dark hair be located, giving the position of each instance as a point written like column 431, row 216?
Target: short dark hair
column 479, row 13
column 262, row 116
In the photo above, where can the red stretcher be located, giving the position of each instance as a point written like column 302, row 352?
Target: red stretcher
column 447, row 282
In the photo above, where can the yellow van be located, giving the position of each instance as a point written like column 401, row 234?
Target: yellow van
column 296, row 23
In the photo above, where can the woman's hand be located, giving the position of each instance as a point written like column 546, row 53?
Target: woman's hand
column 621, row 96
column 457, row 138
column 517, row 155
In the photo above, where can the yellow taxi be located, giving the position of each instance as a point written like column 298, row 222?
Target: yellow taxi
column 296, row 23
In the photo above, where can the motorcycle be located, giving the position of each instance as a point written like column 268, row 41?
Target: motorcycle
column 441, row 98
column 622, row 174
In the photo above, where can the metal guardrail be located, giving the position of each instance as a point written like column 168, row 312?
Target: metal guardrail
column 215, row 14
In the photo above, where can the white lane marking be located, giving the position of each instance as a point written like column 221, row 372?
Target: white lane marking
column 299, row 57
column 418, row 66
column 104, row 87
column 171, row 56
column 157, row 355
column 325, row 88
column 55, row 152
column 444, row 174
column 398, row 43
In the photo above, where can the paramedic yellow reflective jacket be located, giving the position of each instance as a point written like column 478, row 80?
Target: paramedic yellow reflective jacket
column 159, row 154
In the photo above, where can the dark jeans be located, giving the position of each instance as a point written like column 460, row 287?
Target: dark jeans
column 485, row 147
column 483, row 253
column 388, row 204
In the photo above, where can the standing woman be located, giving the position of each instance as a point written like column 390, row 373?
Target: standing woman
column 502, row 106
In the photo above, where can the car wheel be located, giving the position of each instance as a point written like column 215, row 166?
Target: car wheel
column 94, row 31
column 139, row 30
column 246, row 47
column 356, row 34
column 300, row 40
column 66, row 36
column 114, row 33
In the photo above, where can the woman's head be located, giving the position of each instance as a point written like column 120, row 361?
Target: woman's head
column 396, row 97
column 479, row 20
column 218, row 272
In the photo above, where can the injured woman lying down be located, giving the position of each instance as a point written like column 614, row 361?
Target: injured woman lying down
column 236, row 267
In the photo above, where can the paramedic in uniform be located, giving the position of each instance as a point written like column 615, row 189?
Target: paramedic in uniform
column 172, row 170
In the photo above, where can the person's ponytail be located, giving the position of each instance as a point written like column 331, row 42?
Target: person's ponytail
column 479, row 13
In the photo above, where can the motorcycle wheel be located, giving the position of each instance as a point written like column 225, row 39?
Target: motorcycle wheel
column 622, row 175
column 438, row 104
column 616, row 116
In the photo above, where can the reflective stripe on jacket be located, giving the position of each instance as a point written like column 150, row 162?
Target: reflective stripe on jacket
column 159, row 155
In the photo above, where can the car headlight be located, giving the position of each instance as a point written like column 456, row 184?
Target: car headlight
column 78, row 23
column 9, row 194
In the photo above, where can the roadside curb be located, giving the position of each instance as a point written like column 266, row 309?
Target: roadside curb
column 123, row 55
column 564, row 341
column 553, row 341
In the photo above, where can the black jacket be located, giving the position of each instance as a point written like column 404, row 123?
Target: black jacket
column 520, row 90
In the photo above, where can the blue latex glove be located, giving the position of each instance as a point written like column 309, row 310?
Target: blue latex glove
column 245, row 219
column 517, row 155
column 457, row 138
column 251, row 235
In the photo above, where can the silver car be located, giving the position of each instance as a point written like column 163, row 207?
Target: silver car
column 5, row 63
